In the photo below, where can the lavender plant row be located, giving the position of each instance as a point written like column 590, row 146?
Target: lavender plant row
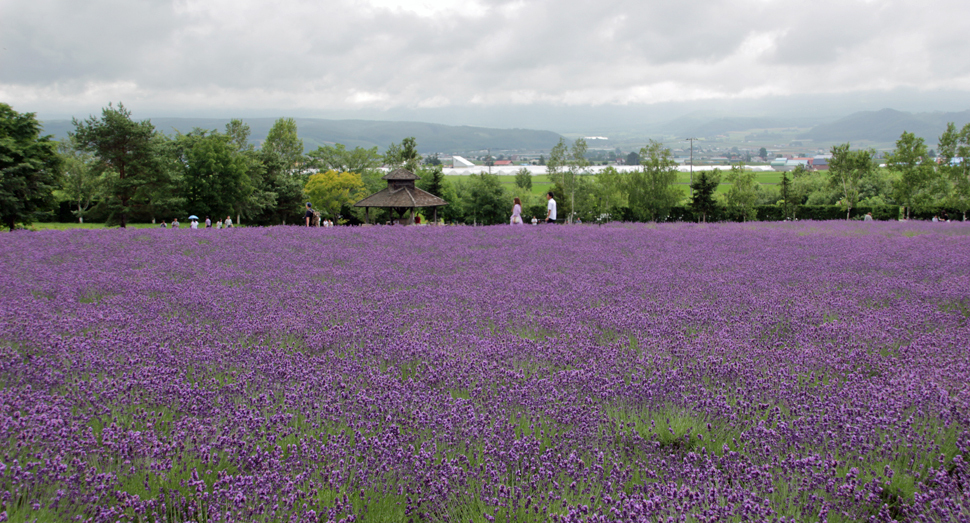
column 788, row 372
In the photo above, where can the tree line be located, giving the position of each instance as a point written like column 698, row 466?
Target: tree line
column 909, row 179
column 119, row 170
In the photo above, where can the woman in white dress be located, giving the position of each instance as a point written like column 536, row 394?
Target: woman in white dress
column 516, row 218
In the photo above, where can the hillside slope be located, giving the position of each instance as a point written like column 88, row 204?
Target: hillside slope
column 886, row 125
column 364, row 133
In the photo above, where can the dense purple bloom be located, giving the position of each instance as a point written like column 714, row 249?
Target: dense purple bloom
column 730, row 372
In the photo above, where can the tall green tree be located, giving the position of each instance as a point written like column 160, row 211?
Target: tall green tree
column 578, row 166
column 742, row 196
column 410, row 158
column 523, row 179
column 650, row 189
column 558, row 158
column 239, row 133
column 608, row 194
column 253, row 197
column 557, row 167
column 705, row 185
column 564, row 167
column 127, row 154
column 280, row 190
column 166, row 196
column 456, row 193
column 915, row 171
column 954, row 157
column 404, row 155
column 846, row 171
column 788, row 199
column 29, row 167
column 284, row 142
column 392, row 156
column 214, row 173
column 365, row 162
column 80, row 183
column 432, row 179
column 487, row 202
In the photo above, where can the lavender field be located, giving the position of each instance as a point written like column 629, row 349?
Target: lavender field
column 732, row 372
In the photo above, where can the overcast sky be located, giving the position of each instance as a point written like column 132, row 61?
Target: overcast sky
column 246, row 56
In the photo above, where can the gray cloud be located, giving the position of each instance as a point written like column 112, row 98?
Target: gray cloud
column 347, row 54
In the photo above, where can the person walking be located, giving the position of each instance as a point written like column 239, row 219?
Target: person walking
column 208, row 223
column 868, row 217
column 228, row 222
column 516, row 218
column 194, row 224
column 550, row 208
column 308, row 215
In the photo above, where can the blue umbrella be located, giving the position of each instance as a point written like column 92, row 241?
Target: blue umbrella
column 193, row 217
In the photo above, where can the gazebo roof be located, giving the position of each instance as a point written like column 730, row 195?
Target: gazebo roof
column 401, row 197
column 400, row 174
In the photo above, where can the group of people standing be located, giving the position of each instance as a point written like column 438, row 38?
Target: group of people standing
column 194, row 223
column 312, row 218
column 516, row 218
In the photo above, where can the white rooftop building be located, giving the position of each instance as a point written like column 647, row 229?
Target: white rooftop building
column 457, row 162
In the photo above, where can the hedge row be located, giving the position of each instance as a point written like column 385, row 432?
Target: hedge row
column 819, row 212
column 677, row 214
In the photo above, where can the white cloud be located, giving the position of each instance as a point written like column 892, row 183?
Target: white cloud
column 344, row 54
column 434, row 102
column 430, row 8
column 367, row 98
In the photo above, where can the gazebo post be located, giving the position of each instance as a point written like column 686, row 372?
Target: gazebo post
column 435, row 209
column 412, row 215
column 367, row 215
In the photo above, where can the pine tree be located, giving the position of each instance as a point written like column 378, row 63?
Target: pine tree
column 703, row 202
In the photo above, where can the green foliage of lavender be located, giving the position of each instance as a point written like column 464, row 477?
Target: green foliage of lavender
column 728, row 372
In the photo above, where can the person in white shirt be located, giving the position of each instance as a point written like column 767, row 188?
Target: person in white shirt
column 228, row 222
column 535, row 221
column 550, row 208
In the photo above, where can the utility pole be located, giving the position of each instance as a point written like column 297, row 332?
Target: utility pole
column 572, row 199
column 691, row 140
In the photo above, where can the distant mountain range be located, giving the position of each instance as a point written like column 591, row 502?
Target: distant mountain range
column 881, row 128
column 700, row 125
column 886, row 125
column 364, row 133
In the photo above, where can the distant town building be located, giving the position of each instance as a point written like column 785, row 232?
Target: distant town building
column 459, row 162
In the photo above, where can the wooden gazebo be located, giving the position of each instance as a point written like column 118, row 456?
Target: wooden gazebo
column 400, row 196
